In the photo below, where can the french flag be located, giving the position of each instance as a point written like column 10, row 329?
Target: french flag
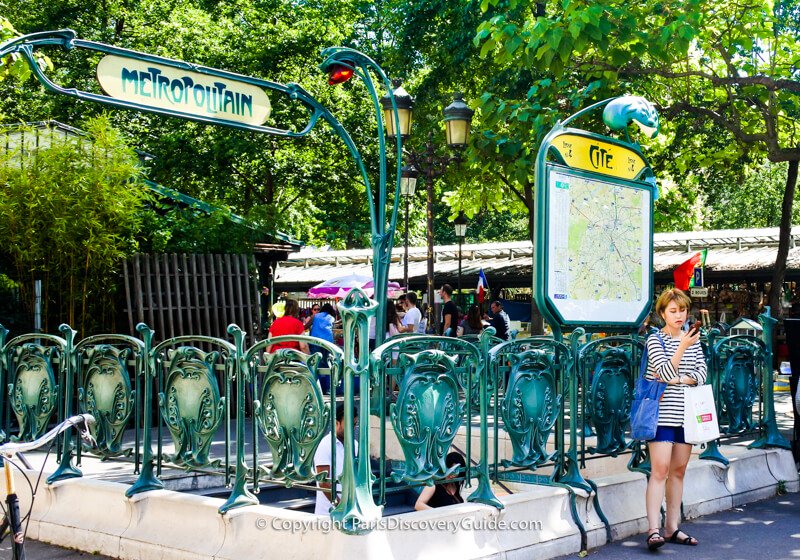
column 483, row 285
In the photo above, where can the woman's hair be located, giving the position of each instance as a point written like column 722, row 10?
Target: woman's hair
column 668, row 296
column 455, row 458
column 474, row 317
column 291, row 308
column 392, row 318
column 328, row 308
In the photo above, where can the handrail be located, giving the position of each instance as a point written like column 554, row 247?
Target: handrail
column 8, row 450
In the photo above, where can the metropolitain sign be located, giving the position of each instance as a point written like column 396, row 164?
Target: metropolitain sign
column 164, row 87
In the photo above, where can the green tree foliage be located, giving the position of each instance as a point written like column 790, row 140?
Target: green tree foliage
column 166, row 227
column 68, row 215
column 309, row 188
column 755, row 201
column 15, row 65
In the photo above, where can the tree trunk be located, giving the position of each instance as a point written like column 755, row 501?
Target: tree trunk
column 537, row 321
column 778, row 275
column 529, row 203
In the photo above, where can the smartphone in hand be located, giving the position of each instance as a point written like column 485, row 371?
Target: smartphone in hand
column 694, row 329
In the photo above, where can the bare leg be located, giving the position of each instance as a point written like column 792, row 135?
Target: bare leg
column 660, row 456
column 681, row 452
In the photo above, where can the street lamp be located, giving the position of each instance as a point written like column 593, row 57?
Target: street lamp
column 457, row 118
column 460, row 224
column 408, row 184
column 405, row 104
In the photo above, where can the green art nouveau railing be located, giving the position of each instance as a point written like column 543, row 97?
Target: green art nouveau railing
column 532, row 411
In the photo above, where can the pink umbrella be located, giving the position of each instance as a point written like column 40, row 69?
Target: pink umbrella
column 339, row 287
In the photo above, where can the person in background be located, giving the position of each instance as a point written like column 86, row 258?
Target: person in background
column 308, row 321
column 286, row 325
column 499, row 320
column 413, row 317
column 422, row 328
column 400, row 305
column 322, row 327
column 472, row 323
column 679, row 363
column 448, row 493
column 323, row 460
column 449, row 311
column 393, row 324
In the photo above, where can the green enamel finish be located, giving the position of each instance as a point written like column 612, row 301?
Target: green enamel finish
column 191, row 405
column 292, row 414
column 737, row 366
column 772, row 437
column 33, row 392
column 483, row 493
column 465, row 353
column 240, row 494
column 66, row 469
column 356, row 510
column 640, row 458
column 567, row 470
column 609, row 395
column 427, row 415
column 620, row 112
column 712, row 453
column 382, row 233
column 739, row 391
column 3, row 376
column 530, row 406
column 145, row 369
column 107, row 395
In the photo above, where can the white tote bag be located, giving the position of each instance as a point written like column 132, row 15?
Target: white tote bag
column 700, row 419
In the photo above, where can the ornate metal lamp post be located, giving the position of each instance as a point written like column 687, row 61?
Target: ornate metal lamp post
column 460, row 224
column 408, row 181
column 457, row 119
column 408, row 185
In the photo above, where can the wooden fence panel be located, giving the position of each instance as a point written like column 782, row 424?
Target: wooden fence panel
column 191, row 294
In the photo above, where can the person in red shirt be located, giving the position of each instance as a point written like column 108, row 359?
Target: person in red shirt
column 288, row 324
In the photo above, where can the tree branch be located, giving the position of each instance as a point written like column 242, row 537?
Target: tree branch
column 771, row 84
column 520, row 195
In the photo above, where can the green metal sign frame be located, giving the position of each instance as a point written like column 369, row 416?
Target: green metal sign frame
column 551, row 160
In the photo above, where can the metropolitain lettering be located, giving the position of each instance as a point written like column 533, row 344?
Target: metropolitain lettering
column 214, row 99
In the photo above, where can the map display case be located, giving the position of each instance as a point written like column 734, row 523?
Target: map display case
column 599, row 248
column 593, row 240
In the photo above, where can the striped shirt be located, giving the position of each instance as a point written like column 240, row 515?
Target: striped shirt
column 659, row 365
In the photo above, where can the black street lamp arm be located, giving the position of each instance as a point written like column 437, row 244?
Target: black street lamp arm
column 431, row 166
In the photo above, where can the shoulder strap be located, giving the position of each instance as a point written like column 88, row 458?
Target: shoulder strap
column 643, row 365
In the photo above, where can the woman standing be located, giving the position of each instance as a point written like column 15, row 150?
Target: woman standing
column 288, row 324
column 679, row 363
column 322, row 327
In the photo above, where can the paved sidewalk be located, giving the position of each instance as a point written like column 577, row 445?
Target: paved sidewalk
column 769, row 529
column 35, row 550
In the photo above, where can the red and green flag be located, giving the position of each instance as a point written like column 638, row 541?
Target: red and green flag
column 684, row 274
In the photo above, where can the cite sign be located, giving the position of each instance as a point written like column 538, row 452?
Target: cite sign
column 182, row 91
column 592, row 154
